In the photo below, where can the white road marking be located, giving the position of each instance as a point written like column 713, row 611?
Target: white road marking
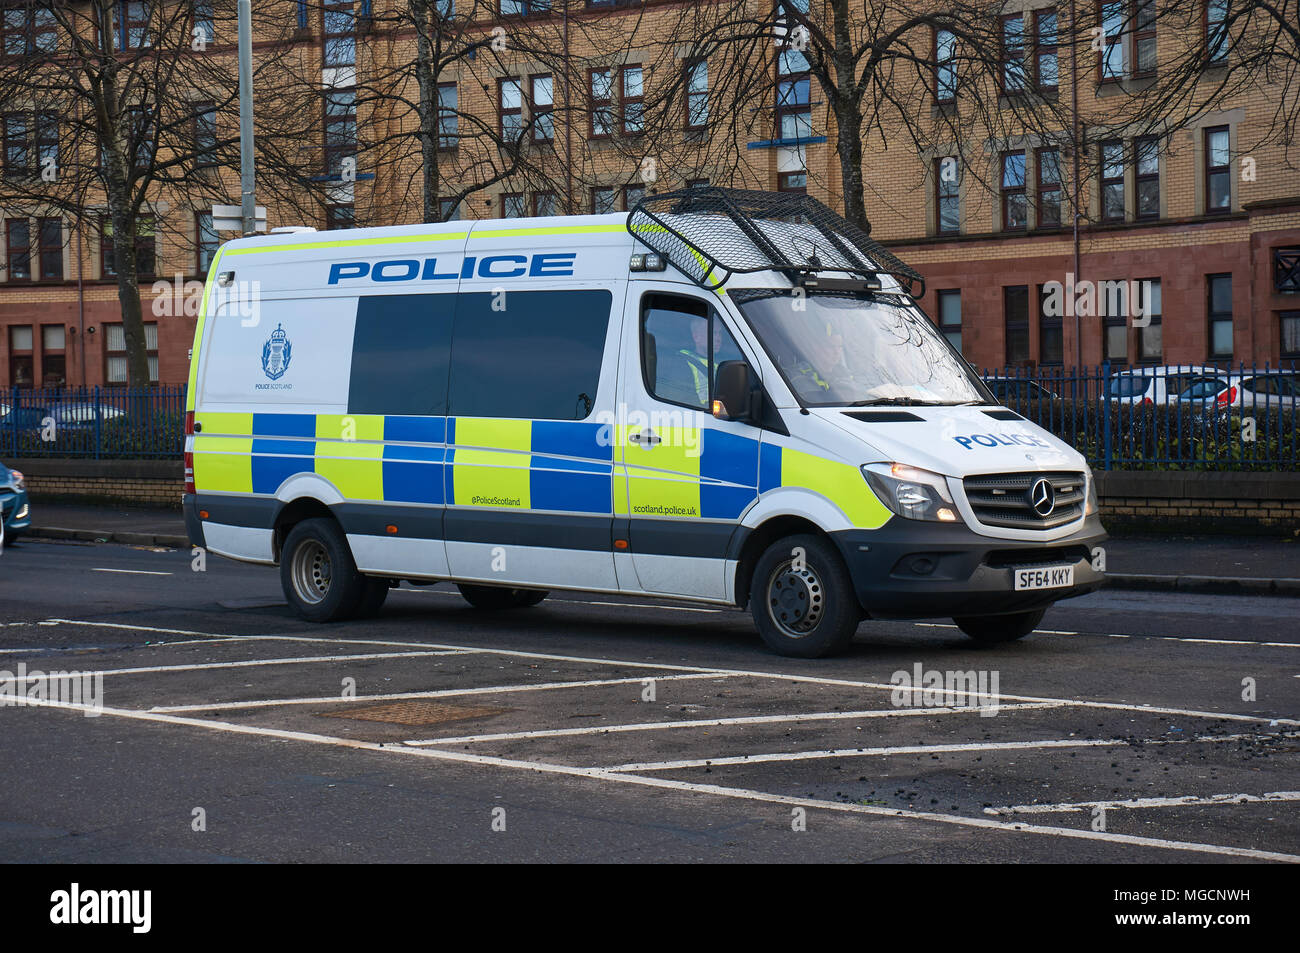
column 446, row 693
column 668, row 666
column 913, row 749
column 253, row 663
column 1189, row 800
column 715, row 723
column 670, row 784
column 131, row 572
column 1121, row 635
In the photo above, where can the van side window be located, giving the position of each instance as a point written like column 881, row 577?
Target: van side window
column 529, row 354
column 400, row 353
column 679, row 355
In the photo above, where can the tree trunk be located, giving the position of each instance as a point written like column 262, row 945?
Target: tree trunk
column 847, row 106
column 426, row 78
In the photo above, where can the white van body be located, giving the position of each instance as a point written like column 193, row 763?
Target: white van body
column 478, row 402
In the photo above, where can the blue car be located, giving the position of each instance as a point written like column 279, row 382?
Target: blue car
column 14, row 509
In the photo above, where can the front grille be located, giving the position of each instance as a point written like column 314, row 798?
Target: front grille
column 1003, row 499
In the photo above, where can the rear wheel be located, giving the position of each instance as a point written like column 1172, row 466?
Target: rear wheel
column 991, row 629
column 802, row 598
column 501, row 597
column 373, row 593
column 319, row 577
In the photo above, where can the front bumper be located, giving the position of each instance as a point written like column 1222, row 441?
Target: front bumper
column 17, row 512
column 910, row 569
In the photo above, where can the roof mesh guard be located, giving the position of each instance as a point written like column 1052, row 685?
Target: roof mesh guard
column 713, row 233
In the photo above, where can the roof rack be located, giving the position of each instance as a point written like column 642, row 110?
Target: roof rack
column 712, row 233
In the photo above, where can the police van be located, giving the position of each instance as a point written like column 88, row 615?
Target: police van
column 724, row 397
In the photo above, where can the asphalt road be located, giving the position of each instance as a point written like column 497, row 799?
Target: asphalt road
column 603, row 729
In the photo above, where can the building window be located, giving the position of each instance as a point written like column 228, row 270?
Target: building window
column 17, row 145
column 1046, row 63
column 47, row 140
column 115, row 365
column 1051, row 336
column 50, row 250
column 205, row 241
column 947, row 196
column 1049, row 187
column 448, row 210
column 205, row 134
column 543, row 106
column 1218, row 173
column 448, row 117
column 340, row 128
column 21, row 363
column 205, row 28
column 1013, row 54
column 1014, row 206
column 1286, row 271
column 697, row 183
column 1216, row 30
column 545, row 203
column 631, row 195
column 145, row 254
column 27, row 31
column 133, row 25
column 523, row 8
column 54, row 365
column 1219, row 293
column 696, row 80
column 513, row 205
column 1111, row 60
column 601, row 96
column 510, row 109
column 1112, row 181
column 1150, row 337
column 340, row 216
column 793, row 95
column 796, row 182
column 1144, row 37
column 604, row 201
column 950, row 317
column 1148, row 177
column 1289, row 326
column 632, row 101
column 945, row 66
column 1015, row 316
column 340, row 35
column 18, row 246
column 1114, row 315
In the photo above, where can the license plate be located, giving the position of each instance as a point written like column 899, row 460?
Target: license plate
column 1044, row 577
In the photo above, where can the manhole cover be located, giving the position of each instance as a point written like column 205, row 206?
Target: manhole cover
column 415, row 713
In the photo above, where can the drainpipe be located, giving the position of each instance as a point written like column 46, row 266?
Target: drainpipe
column 1074, row 134
column 568, row 123
column 81, row 309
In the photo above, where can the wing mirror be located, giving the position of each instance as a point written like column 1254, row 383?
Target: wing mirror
column 734, row 392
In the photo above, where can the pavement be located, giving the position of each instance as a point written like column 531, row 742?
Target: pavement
column 1240, row 565
column 184, row 714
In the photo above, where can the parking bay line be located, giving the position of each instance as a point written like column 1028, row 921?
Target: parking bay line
column 955, row 748
column 1121, row 635
column 601, row 774
column 1189, row 800
column 669, row 666
column 250, row 663
column 716, row 723
column 442, row 693
column 131, row 572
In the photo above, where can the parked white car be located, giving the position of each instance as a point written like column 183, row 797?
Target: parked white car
column 1160, row 384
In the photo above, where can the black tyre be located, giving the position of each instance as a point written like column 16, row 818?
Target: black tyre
column 373, row 593
column 317, row 572
column 804, row 609
column 501, row 597
column 991, row 629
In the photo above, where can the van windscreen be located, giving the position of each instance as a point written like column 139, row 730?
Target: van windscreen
column 857, row 350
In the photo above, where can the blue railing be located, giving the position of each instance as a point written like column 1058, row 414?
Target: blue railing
column 1186, row 417
column 96, row 422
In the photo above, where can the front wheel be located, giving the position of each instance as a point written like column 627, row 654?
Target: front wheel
column 501, row 597
column 991, row 629
column 317, row 572
column 802, row 598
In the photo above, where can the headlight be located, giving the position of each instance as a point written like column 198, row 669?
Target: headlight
column 1091, row 506
column 912, row 492
column 16, row 478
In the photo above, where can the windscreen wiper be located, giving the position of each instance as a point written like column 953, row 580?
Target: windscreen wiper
column 898, row 402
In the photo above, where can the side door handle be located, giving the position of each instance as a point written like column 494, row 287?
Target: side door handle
column 645, row 438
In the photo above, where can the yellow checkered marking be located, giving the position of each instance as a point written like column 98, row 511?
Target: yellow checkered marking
column 841, row 483
column 223, row 464
column 663, row 480
column 491, row 465
column 355, row 466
